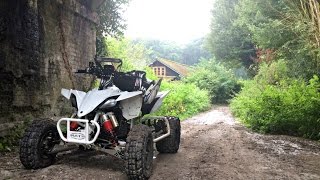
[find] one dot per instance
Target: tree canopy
(194, 51)
(111, 17)
(229, 42)
(251, 31)
(189, 54)
(111, 22)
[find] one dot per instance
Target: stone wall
(42, 44)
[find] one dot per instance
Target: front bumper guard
(82, 136)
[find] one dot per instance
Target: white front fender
(78, 94)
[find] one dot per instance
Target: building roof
(179, 68)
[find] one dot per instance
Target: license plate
(76, 136)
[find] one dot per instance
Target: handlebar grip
(82, 71)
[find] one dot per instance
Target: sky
(173, 20)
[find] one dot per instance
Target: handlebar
(110, 73)
(98, 69)
(105, 59)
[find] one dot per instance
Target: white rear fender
(131, 103)
(160, 96)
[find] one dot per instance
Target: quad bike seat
(130, 81)
(137, 81)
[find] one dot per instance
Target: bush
(14, 135)
(216, 79)
(183, 100)
(276, 103)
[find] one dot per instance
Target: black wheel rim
(46, 144)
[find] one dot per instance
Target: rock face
(42, 44)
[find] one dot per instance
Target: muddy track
(213, 146)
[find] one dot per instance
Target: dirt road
(213, 146)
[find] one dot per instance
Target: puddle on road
(215, 116)
(278, 144)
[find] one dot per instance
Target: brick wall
(42, 43)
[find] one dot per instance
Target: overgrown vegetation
(278, 42)
(184, 100)
(216, 79)
(13, 136)
(274, 103)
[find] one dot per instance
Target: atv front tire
(38, 140)
(171, 143)
(139, 152)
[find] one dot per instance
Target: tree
(288, 27)
(189, 54)
(216, 79)
(284, 95)
(134, 56)
(194, 51)
(229, 42)
(162, 49)
(111, 22)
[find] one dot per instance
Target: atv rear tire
(171, 143)
(39, 139)
(139, 152)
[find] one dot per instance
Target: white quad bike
(108, 119)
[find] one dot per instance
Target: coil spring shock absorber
(109, 122)
(73, 125)
(107, 125)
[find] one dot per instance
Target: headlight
(73, 101)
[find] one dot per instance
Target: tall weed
(183, 100)
(276, 103)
